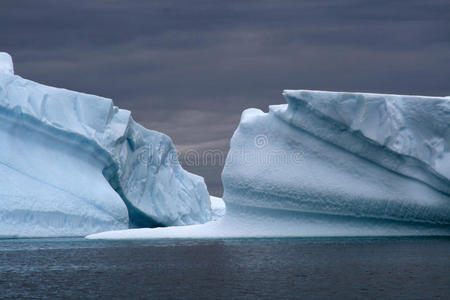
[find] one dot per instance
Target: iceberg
(332, 164)
(349, 154)
(73, 164)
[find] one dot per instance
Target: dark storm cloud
(188, 68)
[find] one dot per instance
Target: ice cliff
(73, 164)
(372, 156)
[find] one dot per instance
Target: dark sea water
(338, 268)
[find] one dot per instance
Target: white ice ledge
(248, 222)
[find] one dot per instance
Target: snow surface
(332, 164)
(72, 164)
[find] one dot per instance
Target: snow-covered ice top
(413, 131)
(6, 64)
(141, 165)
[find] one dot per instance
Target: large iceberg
(351, 154)
(333, 164)
(72, 164)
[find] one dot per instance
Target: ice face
(74, 164)
(409, 135)
(348, 154)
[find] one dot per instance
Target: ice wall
(73, 163)
(372, 156)
(409, 135)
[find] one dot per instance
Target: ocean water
(337, 268)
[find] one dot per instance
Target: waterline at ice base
(332, 164)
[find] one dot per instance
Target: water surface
(353, 268)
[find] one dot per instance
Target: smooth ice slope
(350, 154)
(74, 164)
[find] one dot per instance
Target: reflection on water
(226, 269)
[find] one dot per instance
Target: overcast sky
(189, 68)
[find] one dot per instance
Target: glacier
(332, 164)
(73, 164)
